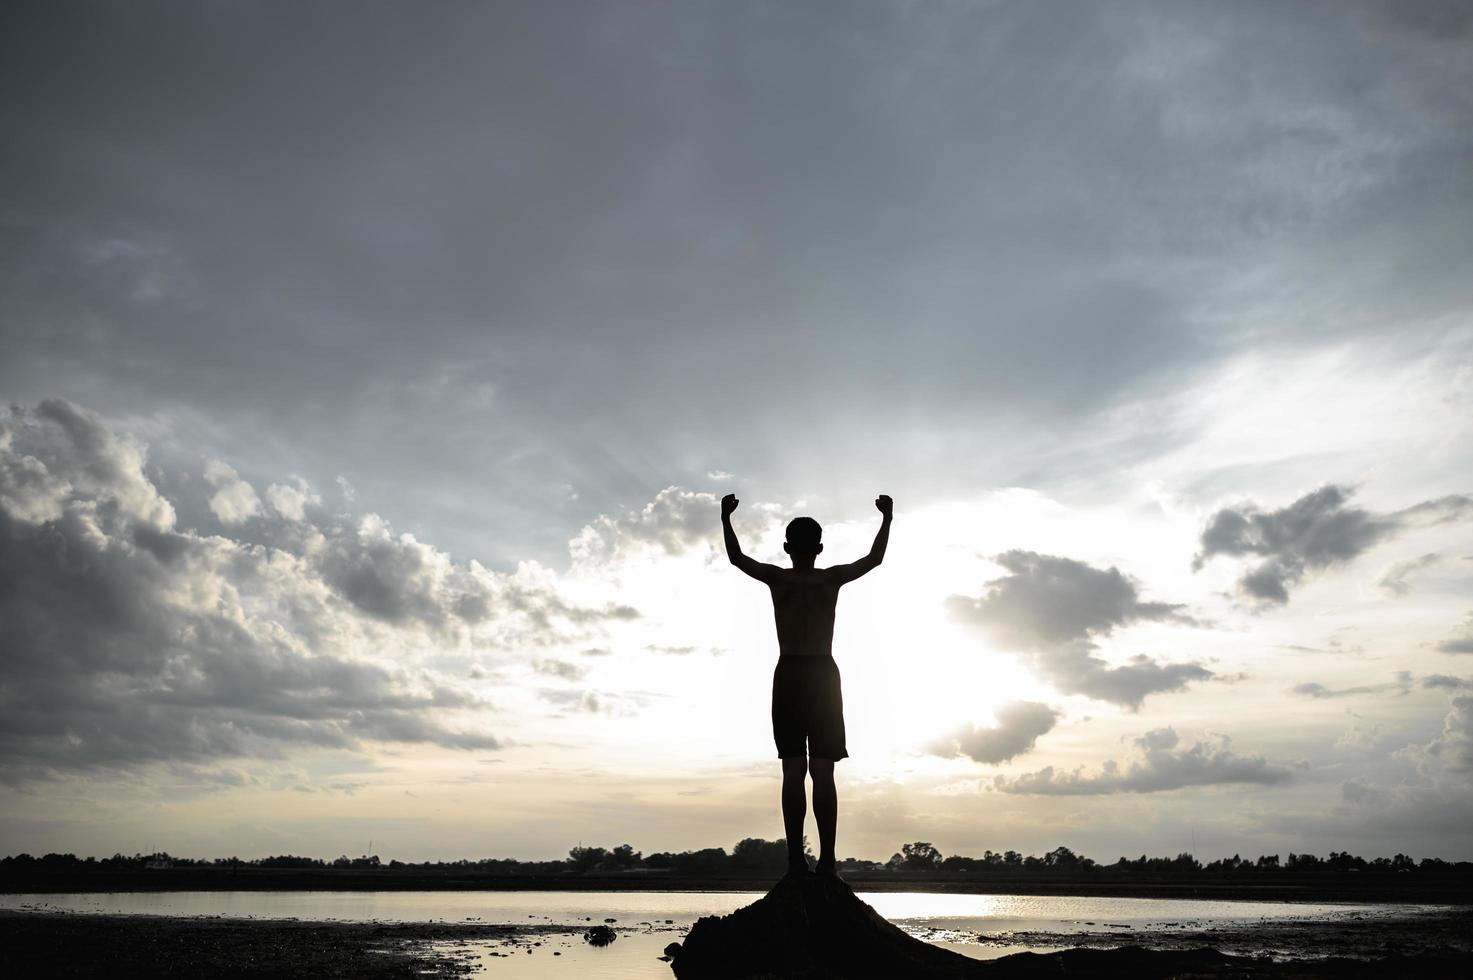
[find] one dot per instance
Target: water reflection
(995, 913)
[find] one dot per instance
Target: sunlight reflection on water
(991, 913)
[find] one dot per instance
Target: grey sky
(373, 362)
(518, 247)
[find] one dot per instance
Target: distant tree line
(923, 856)
(756, 856)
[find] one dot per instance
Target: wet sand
(1443, 932)
(47, 944)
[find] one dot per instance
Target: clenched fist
(883, 504)
(729, 504)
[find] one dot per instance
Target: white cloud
(670, 650)
(234, 499)
(1401, 685)
(131, 642)
(1396, 578)
(1160, 766)
(1460, 640)
(565, 669)
(291, 500)
(1019, 724)
(1452, 749)
(1055, 609)
(587, 702)
(62, 456)
(675, 521)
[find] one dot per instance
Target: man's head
(805, 538)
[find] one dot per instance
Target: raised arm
(852, 571)
(753, 567)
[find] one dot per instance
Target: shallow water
(973, 913)
(512, 908)
(647, 921)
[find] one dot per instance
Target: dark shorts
(808, 708)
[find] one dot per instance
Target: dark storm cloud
(1055, 610)
(1019, 726)
(129, 641)
(583, 245)
(1161, 766)
(1316, 532)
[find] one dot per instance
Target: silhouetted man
(807, 705)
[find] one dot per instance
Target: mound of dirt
(816, 928)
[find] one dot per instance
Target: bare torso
(803, 603)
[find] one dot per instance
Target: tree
(921, 856)
(758, 855)
(586, 858)
(1182, 862)
(622, 857)
(708, 860)
(1063, 859)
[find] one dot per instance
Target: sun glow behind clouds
(674, 705)
(630, 690)
(688, 682)
(910, 672)
(655, 728)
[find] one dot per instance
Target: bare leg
(825, 810)
(795, 809)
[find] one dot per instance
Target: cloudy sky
(373, 372)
